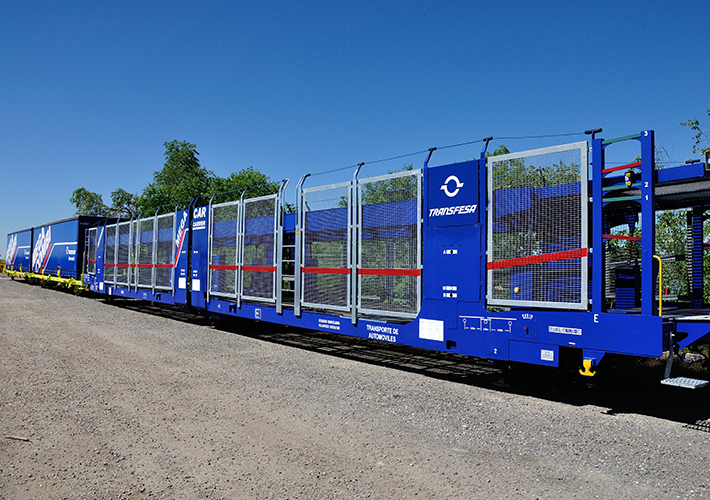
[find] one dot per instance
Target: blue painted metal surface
(54, 249)
(453, 315)
(19, 251)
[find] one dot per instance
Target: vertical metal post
(300, 217)
(279, 248)
(129, 249)
(424, 209)
(154, 251)
(353, 221)
(190, 257)
(239, 249)
(597, 249)
(483, 216)
(648, 222)
(135, 241)
(210, 236)
(420, 246)
(173, 261)
(483, 221)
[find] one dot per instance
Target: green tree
(390, 190)
(88, 203)
(500, 150)
(701, 136)
(123, 204)
(231, 188)
(182, 178)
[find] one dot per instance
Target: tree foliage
(500, 150)
(702, 137)
(87, 202)
(181, 180)
(254, 182)
(520, 172)
(90, 203)
(390, 190)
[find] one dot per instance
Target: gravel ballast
(125, 400)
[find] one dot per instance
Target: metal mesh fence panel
(110, 255)
(91, 256)
(223, 267)
(133, 256)
(123, 253)
(389, 262)
(537, 228)
(259, 257)
(326, 247)
(144, 263)
(164, 253)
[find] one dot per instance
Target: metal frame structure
(390, 272)
(540, 258)
(305, 267)
(455, 307)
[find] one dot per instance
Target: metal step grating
(700, 425)
(687, 383)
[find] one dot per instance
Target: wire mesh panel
(389, 229)
(223, 263)
(110, 255)
(258, 271)
(144, 261)
(91, 252)
(537, 228)
(123, 253)
(133, 255)
(164, 252)
(326, 256)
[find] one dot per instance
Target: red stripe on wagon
(326, 270)
(539, 259)
(390, 272)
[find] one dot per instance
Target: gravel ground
(124, 400)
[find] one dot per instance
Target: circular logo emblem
(445, 186)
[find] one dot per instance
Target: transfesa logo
(451, 187)
(456, 185)
(42, 245)
(11, 249)
(459, 210)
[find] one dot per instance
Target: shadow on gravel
(622, 385)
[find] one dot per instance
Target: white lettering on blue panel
(329, 324)
(458, 210)
(565, 330)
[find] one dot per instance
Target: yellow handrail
(660, 285)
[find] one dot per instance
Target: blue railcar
(489, 258)
(51, 252)
(19, 251)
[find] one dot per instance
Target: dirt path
(117, 402)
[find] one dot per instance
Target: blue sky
(90, 91)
